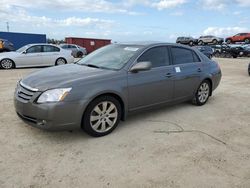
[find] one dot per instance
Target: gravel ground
(177, 146)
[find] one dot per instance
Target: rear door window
(48, 48)
(183, 56)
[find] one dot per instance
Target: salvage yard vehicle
(206, 50)
(210, 39)
(77, 51)
(35, 55)
(240, 37)
(6, 46)
(187, 40)
(112, 82)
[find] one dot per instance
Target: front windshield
(113, 56)
(23, 48)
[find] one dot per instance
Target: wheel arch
(61, 58)
(14, 64)
(112, 94)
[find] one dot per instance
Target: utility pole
(8, 27)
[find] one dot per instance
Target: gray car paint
(136, 90)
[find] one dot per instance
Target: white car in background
(34, 55)
(77, 51)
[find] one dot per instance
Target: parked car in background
(240, 37)
(210, 39)
(187, 40)
(113, 81)
(206, 50)
(33, 55)
(6, 46)
(77, 51)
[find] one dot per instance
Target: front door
(155, 86)
(31, 57)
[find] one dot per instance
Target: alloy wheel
(6, 64)
(103, 117)
(203, 92)
(60, 61)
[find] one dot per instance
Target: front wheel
(202, 94)
(7, 64)
(247, 41)
(102, 116)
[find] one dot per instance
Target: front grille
(24, 93)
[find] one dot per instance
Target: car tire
(191, 43)
(200, 42)
(228, 41)
(215, 41)
(217, 54)
(247, 41)
(79, 54)
(202, 94)
(101, 116)
(60, 61)
(7, 64)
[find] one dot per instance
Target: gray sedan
(112, 82)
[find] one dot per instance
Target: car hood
(62, 76)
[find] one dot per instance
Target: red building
(89, 43)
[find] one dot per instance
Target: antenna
(8, 27)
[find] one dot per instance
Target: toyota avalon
(113, 81)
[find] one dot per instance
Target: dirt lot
(178, 146)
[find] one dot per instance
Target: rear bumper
(51, 116)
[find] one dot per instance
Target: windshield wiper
(90, 65)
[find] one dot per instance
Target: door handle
(199, 70)
(169, 75)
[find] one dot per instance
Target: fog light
(43, 122)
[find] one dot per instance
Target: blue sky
(130, 20)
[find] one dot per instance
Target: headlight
(53, 95)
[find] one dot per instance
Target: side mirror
(141, 66)
(24, 52)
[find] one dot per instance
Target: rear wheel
(215, 41)
(228, 41)
(247, 41)
(102, 116)
(191, 43)
(202, 94)
(7, 64)
(61, 61)
(200, 42)
(79, 54)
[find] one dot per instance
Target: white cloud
(243, 3)
(72, 5)
(224, 31)
(165, 4)
(19, 15)
(214, 4)
(177, 13)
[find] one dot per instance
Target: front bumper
(50, 116)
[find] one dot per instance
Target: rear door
(155, 86)
(187, 72)
(50, 55)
